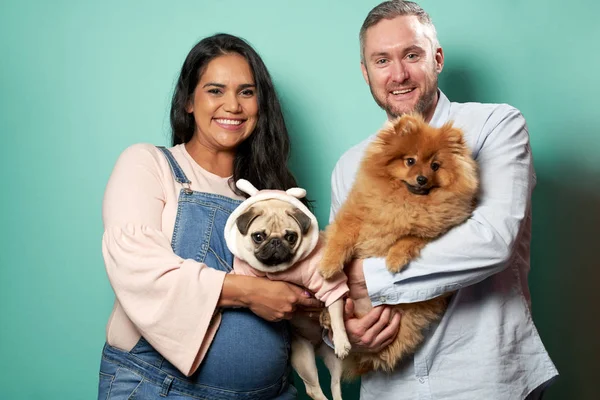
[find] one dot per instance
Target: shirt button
(421, 380)
(382, 299)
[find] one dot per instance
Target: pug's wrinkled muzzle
(274, 252)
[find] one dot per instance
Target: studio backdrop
(82, 80)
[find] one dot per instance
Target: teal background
(82, 80)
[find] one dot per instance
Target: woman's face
(224, 103)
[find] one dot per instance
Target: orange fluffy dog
(415, 182)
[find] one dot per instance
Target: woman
(164, 212)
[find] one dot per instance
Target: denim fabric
(142, 373)
(248, 358)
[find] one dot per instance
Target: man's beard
(423, 104)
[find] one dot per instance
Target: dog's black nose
(275, 242)
(421, 180)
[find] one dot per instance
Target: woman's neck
(214, 161)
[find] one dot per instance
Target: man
(486, 345)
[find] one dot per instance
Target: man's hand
(374, 331)
(377, 328)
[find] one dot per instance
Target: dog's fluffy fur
(415, 182)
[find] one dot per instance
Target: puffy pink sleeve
(328, 290)
(241, 267)
(170, 300)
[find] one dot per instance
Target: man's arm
(375, 330)
(481, 246)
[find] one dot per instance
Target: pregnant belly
(247, 353)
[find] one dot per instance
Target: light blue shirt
(486, 346)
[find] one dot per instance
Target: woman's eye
(214, 91)
(435, 166)
(291, 238)
(258, 237)
(248, 92)
(410, 162)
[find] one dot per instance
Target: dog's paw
(327, 273)
(396, 262)
(329, 267)
(342, 346)
(314, 392)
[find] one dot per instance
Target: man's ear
(439, 60)
(243, 222)
(365, 73)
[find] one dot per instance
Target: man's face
(401, 66)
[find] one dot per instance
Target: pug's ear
(302, 219)
(243, 222)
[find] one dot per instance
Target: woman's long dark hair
(262, 158)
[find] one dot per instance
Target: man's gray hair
(390, 10)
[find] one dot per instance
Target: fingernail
(306, 294)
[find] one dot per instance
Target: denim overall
(248, 358)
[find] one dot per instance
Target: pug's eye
(258, 237)
(435, 166)
(410, 162)
(291, 237)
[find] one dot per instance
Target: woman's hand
(270, 300)
(276, 300)
(312, 311)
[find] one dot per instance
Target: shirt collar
(442, 111)
(440, 115)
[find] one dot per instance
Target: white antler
(246, 186)
(296, 192)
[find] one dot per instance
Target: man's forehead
(396, 34)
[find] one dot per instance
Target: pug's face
(271, 233)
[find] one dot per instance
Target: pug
(273, 232)
(274, 235)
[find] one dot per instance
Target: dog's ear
(408, 124)
(388, 133)
(243, 222)
(302, 219)
(453, 137)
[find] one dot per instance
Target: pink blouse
(169, 300)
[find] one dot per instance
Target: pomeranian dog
(414, 183)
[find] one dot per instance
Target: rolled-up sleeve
(483, 245)
(170, 300)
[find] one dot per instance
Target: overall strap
(175, 168)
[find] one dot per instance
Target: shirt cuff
(380, 282)
(385, 287)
